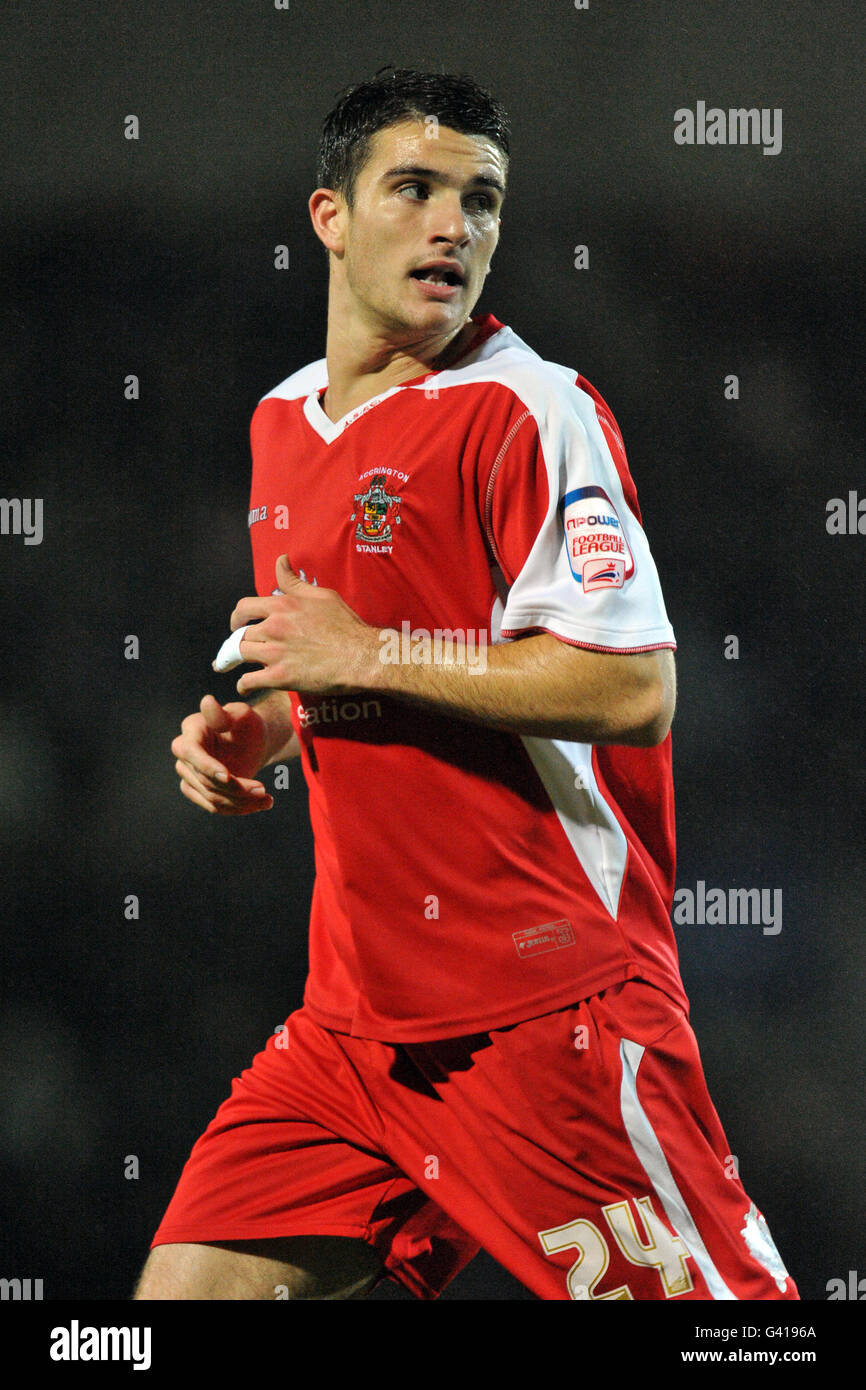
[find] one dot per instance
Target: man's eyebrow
(437, 176)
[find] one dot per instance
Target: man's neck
(362, 364)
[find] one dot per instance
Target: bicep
(635, 690)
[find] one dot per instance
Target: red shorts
(581, 1149)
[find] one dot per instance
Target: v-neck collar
(329, 430)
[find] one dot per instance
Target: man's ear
(327, 209)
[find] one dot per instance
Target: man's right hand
(218, 753)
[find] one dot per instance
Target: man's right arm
(275, 707)
(220, 750)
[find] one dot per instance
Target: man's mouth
(438, 275)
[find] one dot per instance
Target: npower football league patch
(598, 551)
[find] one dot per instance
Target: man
(468, 648)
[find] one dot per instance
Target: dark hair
(398, 94)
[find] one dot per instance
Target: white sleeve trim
(644, 640)
(589, 576)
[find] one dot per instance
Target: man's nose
(448, 218)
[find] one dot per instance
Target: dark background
(156, 257)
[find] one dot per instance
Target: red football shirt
(467, 879)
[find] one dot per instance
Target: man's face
(420, 200)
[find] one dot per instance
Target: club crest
(377, 512)
(756, 1234)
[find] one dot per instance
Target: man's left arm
(308, 639)
(544, 687)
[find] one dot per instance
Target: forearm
(275, 708)
(542, 687)
(307, 638)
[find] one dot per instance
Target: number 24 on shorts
(662, 1250)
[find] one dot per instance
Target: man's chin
(418, 322)
(446, 314)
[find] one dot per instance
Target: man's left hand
(305, 638)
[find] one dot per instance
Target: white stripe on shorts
(651, 1156)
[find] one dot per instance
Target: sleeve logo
(598, 551)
